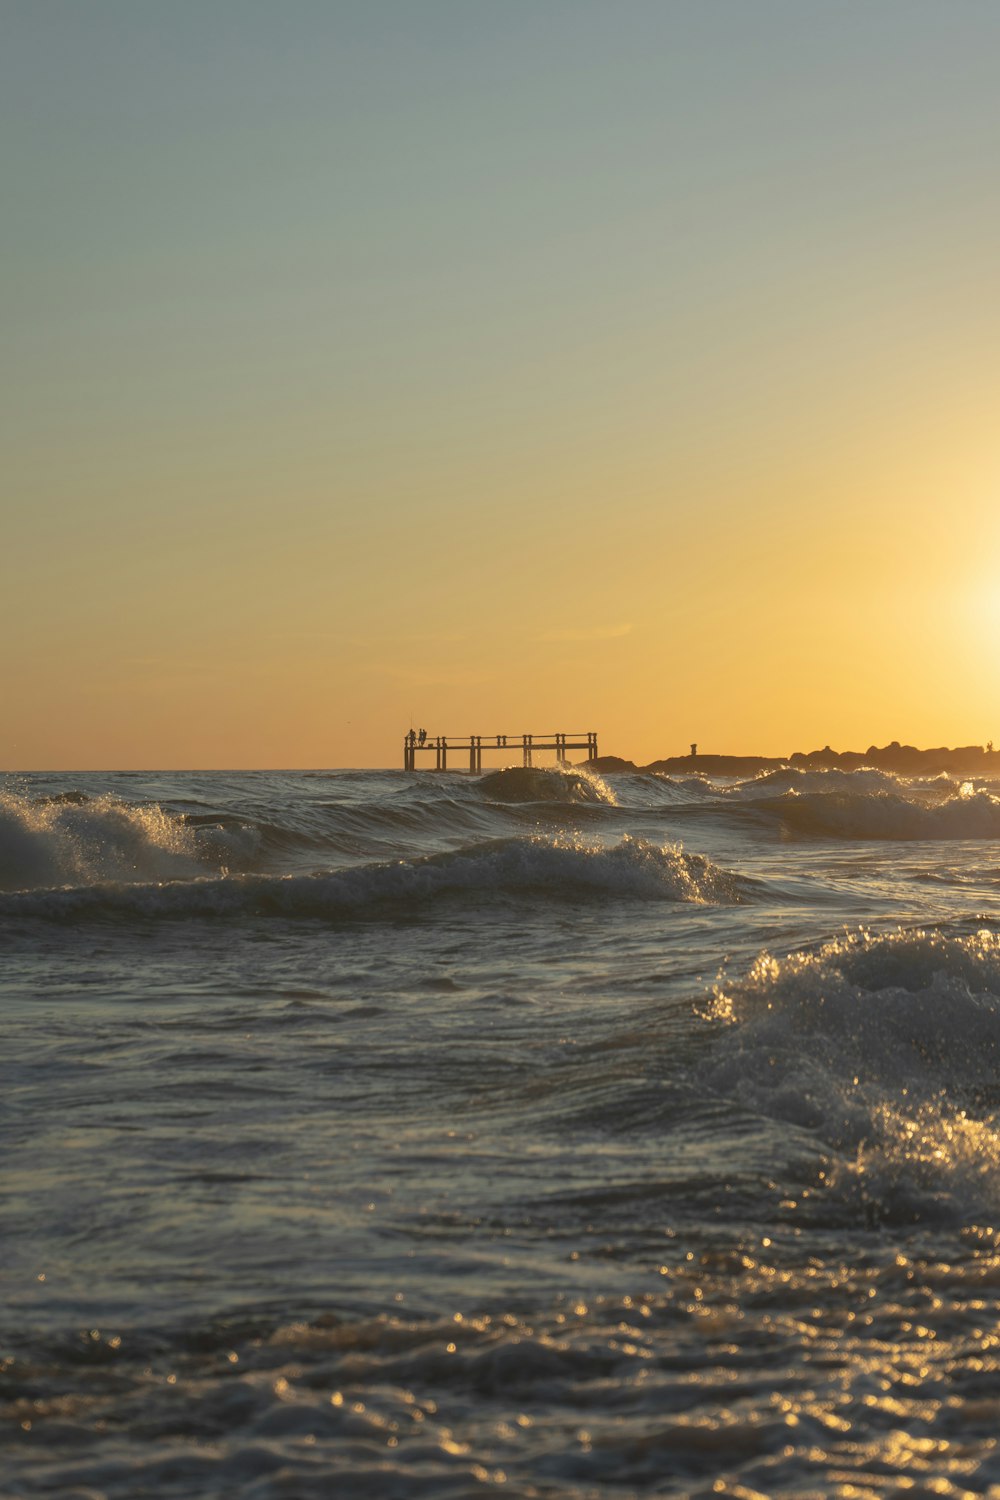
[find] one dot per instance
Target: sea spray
(79, 841)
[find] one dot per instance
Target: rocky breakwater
(902, 760)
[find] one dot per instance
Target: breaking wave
(887, 1050)
(73, 839)
(549, 869)
(77, 840)
(531, 784)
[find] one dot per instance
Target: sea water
(385, 1135)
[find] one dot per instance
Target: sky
(628, 367)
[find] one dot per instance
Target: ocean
(373, 1134)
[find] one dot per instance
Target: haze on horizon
(497, 368)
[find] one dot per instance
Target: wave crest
(537, 869)
(886, 815)
(551, 784)
(794, 778)
(79, 840)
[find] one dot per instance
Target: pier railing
(439, 745)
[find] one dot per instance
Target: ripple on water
(750, 1366)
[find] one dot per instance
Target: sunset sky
(496, 367)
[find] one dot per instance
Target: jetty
(473, 745)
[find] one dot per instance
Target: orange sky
(572, 366)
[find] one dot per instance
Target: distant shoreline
(905, 760)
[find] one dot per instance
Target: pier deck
(439, 745)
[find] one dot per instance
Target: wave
(793, 778)
(381, 828)
(531, 784)
(885, 815)
(887, 1049)
(73, 839)
(655, 789)
(535, 869)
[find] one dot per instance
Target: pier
(474, 744)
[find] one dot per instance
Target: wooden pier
(474, 744)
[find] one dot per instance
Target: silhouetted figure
(694, 751)
(423, 736)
